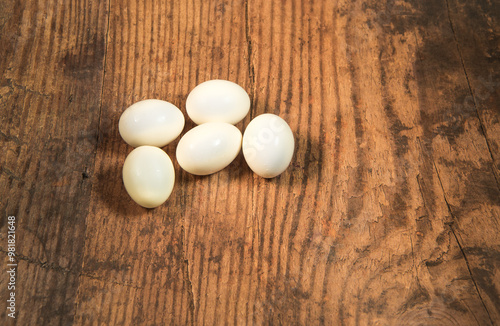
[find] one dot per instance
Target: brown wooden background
(388, 215)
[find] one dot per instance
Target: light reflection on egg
(151, 123)
(148, 176)
(208, 148)
(268, 145)
(217, 101)
(216, 105)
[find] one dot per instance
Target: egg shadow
(111, 191)
(306, 164)
(308, 159)
(237, 170)
(240, 169)
(113, 150)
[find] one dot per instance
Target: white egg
(268, 145)
(217, 101)
(148, 176)
(208, 148)
(151, 122)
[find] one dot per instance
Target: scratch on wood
(470, 273)
(460, 245)
(103, 75)
(40, 263)
(413, 260)
(187, 277)
(483, 130)
(420, 189)
(471, 311)
(57, 268)
(251, 68)
(76, 302)
(97, 278)
(9, 173)
(15, 139)
(12, 84)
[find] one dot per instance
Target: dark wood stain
(388, 213)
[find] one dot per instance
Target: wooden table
(389, 213)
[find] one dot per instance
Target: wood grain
(52, 66)
(388, 215)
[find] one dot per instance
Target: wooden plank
(477, 207)
(389, 213)
(362, 235)
(142, 261)
(479, 55)
(51, 65)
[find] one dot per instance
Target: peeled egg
(217, 101)
(151, 122)
(268, 145)
(208, 148)
(148, 176)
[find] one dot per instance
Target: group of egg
(215, 106)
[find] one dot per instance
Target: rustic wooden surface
(388, 215)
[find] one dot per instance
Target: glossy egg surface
(151, 123)
(148, 176)
(217, 101)
(208, 148)
(268, 145)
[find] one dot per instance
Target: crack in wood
(413, 260)
(186, 275)
(421, 191)
(251, 68)
(103, 78)
(12, 85)
(481, 124)
(108, 18)
(471, 311)
(97, 278)
(57, 268)
(9, 173)
(470, 272)
(15, 139)
(47, 265)
(459, 244)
